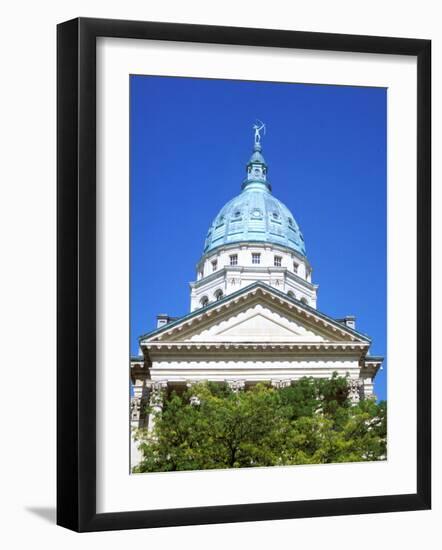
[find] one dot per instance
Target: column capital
(236, 385)
(282, 383)
(158, 385)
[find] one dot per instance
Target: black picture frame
(76, 274)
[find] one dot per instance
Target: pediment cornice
(183, 328)
(246, 347)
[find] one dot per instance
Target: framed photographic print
(243, 274)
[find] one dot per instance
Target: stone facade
(253, 315)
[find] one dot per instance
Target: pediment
(256, 315)
(257, 323)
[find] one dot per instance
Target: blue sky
(326, 151)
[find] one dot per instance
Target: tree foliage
(310, 422)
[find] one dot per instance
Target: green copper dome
(255, 215)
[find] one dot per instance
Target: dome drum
(291, 260)
(232, 267)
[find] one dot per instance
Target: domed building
(253, 311)
(253, 238)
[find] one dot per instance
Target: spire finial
(256, 167)
(259, 127)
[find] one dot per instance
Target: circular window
(256, 213)
(237, 214)
(275, 215)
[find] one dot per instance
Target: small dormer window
(237, 213)
(275, 215)
(214, 265)
(256, 258)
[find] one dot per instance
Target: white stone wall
(244, 252)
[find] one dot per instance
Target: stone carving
(135, 408)
(156, 394)
(156, 401)
(236, 385)
(354, 390)
(284, 383)
(195, 401)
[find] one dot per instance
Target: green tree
(310, 422)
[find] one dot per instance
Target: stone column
(367, 389)
(137, 404)
(138, 416)
(135, 409)
(354, 390)
(157, 389)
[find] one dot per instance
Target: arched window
(218, 294)
(304, 301)
(204, 301)
(291, 294)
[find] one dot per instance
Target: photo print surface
(257, 274)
